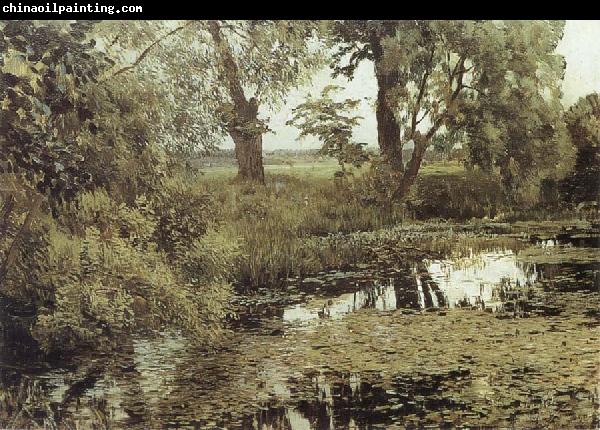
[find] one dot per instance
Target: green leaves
(44, 106)
(330, 121)
(583, 123)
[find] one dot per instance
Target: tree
(583, 123)
(436, 75)
(330, 121)
(229, 71)
(364, 40)
(44, 109)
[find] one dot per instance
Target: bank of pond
(452, 327)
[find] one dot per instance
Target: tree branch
(147, 50)
(463, 71)
(424, 115)
(459, 82)
(422, 86)
(230, 67)
(471, 88)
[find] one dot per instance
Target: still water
(481, 279)
(255, 383)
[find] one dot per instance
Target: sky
(580, 47)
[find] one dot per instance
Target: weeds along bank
(115, 260)
(303, 222)
(101, 268)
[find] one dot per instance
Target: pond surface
(489, 335)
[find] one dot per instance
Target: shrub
(102, 269)
(182, 214)
(471, 195)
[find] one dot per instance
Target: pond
(490, 335)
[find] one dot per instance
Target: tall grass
(277, 224)
(301, 222)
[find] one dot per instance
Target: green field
(326, 169)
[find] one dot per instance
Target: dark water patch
(569, 276)
(352, 401)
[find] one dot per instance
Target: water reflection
(480, 279)
(381, 297)
(345, 401)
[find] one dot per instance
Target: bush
(102, 269)
(182, 213)
(456, 196)
(104, 288)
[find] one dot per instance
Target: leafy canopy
(330, 121)
(45, 75)
(271, 57)
(497, 80)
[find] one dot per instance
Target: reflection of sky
(346, 303)
(478, 276)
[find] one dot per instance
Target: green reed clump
(276, 224)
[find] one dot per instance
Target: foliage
(444, 142)
(45, 72)
(112, 278)
(331, 123)
(124, 248)
(270, 58)
(459, 197)
(498, 81)
(583, 123)
(182, 213)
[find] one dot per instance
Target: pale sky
(580, 46)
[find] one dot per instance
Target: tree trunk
(388, 128)
(412, 168)
(248, 151)
(243, 127)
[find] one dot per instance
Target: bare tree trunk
(412, 168)
(388, 129)
(248, 151)
(243, 127)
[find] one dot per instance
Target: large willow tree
(497, 80)
(222, 74)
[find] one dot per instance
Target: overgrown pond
(497, 331)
